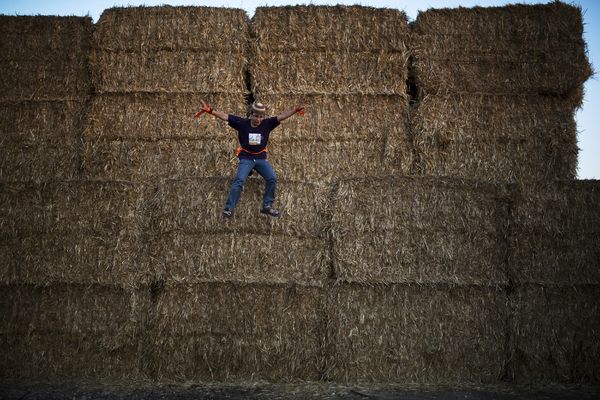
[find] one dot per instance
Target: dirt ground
(88, 391)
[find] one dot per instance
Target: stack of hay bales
(44, 85)
(420, 281)
(70, 296)
(239, 299)
(497, 91)
(349, 64)
(74, 283)
(151, 67)
(554, 264)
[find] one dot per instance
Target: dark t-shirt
(253, 141)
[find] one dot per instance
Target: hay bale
(241, 258)
(159, 116)
(168, 71)
(441, 120)
(336, 117)
(503, 50)
(326, 162)
(44, 58)
(172, 28)
(499, 159)
(310, 28)
(71, 331)
(524, 22)
(416, 333)
(139, 160)
(33, 159)
(69, 207)
(420, 230)
(329, 72)
(49, 80)
(555, 334)
(86, 259)
(38, 120)
(554, 233)
(194, 206)
(229, 333)
(34, 38)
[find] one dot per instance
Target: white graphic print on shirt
(254, 139)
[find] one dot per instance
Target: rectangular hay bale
(71, 331)
(503, 50)
(241, 258)
(416, 334)
(160, 116)
(172, 28)
(554, 233)
(233, 333)
(32, 121)
(33, 159)
(69, 207)
(194, 206)
(329, 72)
(168, 71)
(86, 259)
(142, 160)
(310, 27)
(420, 230)
(555, 333)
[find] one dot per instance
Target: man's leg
(265, 170)
(244, 168)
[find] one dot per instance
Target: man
(253, 136)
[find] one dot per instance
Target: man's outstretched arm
(209, 110)
(286, 114)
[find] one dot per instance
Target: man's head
(257, 113)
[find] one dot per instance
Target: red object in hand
(206, 109)
(300, 110)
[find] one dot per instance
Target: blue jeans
(264, 168)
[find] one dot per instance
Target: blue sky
(588, 120)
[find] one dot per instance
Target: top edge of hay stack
(169, 28)
(502, 50)
(557, 18)
(315, 28)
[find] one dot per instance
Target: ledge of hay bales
(420, 230)
(554, 233)
(70, 331)
(555, 334)
(160, 116)
(233, 333)
(172, 28)
(416, 333)
(488, 45)
(315, 28)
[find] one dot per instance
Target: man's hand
(300, 109)
(206, 108)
